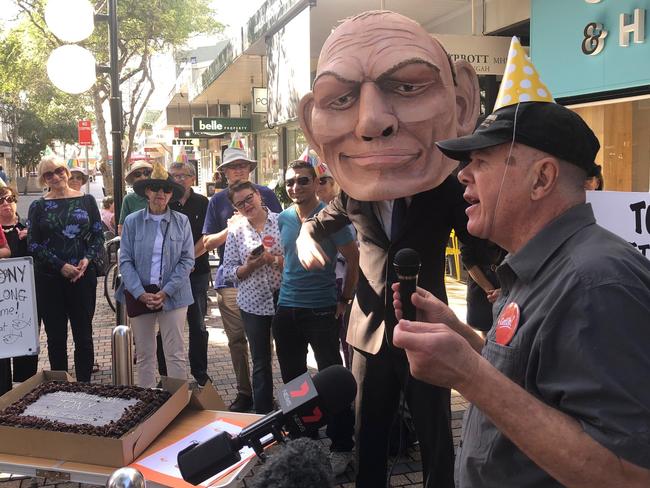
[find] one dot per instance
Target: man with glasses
(220, 215)
(308, 307)
(194, 206)
(133, 202)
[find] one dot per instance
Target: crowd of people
(561, 304)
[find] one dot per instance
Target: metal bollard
(126, 478)
(122, 355)
(121, 317)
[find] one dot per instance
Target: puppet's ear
(467, 97)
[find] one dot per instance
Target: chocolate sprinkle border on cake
(149, 401)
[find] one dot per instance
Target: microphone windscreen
(336, 388)
(407, 262)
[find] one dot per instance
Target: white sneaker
(340, 461)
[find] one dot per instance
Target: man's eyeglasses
(76, 176)
(145, 172)
(8, 199)
(156, 188)
(323, 179)
(48, 175)
(301, 180)
(246, 201)
(181, 176)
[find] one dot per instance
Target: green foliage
(35, 136)
(145, 28)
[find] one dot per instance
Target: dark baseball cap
(546, 126)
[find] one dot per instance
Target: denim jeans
(258, 332)
(293, 330)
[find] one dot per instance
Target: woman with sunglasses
(15, 233)
(64, 236)
(253, 261)
(78, 178)
(156, 258)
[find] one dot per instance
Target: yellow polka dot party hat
(521, 82)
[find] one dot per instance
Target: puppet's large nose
(376, 118)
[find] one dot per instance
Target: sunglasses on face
(301, 180)
(137, 174)
(323, 180)
(246, 201)
(8, 199)
(238, 166)
(157, 188)
(48, 175)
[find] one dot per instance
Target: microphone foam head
(336, 388)
(407, 262)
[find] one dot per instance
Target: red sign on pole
(85, 131)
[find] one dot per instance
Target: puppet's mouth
(385, 159)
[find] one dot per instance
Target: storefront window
(623, 129)
(269, 169)
(296, 142)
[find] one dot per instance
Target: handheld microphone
(306, 403)
(407, 267)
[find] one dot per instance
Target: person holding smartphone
(253, 261)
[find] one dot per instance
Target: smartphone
(258, 250)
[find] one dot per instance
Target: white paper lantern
(70, 20)
(72, 68)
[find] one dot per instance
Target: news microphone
(407, 266)
(306, 404)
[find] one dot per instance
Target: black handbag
(135, 307)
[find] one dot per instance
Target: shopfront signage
(182, 142)
(486, 54)
(207, 125)
(260, 100)
(590, 46)
(595, 32)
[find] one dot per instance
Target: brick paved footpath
(406, 472)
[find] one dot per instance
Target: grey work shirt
(582, 347)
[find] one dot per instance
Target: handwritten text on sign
(626, 214)
(18, 331)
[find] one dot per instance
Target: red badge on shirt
(268, 241)
(507, 324)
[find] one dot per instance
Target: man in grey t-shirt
(555, 389)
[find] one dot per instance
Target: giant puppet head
(384, 92)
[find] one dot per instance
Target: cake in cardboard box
(83, 408)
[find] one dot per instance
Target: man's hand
(437, 354)
(493, 295)
(158, 299)
(428, 307)
(340, 309)
(22, 234)
(309, 252)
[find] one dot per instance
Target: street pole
(87, 171)
(115, 106)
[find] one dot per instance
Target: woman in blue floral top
(64, 236)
